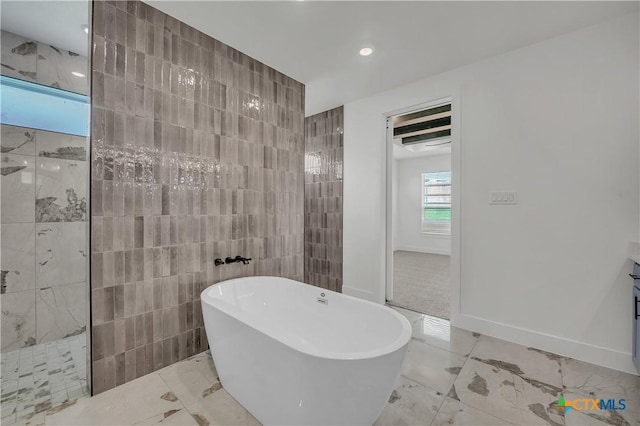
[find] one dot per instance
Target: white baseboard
(578, 350)
(361, 294)
(429, 250)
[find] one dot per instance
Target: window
(436, 202)
(32, 105)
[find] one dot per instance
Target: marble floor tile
(60, 253)
(41, 377)
(438, 332)
(453, 412)
(178, 418)
(412, 316)
(61, 190)
(219, 408)
(594, 381)
(17, 178)
(575, 418)
(410, 404)
(60, 311)
(521, 360)
(8, 420)
(507, 395)
(17, 140)
(18, 56)
(61, 145)
(431, 366)
(489, 388)
(35, 420)
(129, 403)
(193, 380)
(18, 248)
(18, 319)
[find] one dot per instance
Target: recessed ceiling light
(366, 51)
(85, 28)
(77, 74)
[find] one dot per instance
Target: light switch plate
(503, 197)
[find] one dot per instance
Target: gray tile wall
(323, 199)
(43, 180)
(197, 153)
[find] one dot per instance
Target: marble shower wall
(44, 222)
(42, 63)
(323, 160)
(197, 154)
(43, 179)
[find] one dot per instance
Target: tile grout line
(184, 407)
(467, 357)
(465, 363)
(481, 409)
(35, 235)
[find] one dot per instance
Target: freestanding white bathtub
(295, 354)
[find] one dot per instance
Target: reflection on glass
(435, 327)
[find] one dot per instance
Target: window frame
(433, 227)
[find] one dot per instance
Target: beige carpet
(421, 282)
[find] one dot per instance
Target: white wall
(394, 203)
(407, 193)
(558, 123)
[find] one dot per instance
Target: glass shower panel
(44, 178)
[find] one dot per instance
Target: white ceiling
(55, 22)
(317, 42)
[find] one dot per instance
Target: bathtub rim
(228, 309)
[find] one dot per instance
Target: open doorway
(420, 186)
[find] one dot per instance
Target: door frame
(456, 169)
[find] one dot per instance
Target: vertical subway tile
(118, 302)
(118, 267)
(96, 198)
(108, 304)
(166, 351)
(129, 332)
(186, 169)
(109, 372)
(138, 259)
(97, 371)
(107, 269)
(175, 349)
(119, 337)
(148, 264)
(96, 270)
(157, 263)
(139, 330)
(148, 358)
(139, 298)
(138, 232)
(107, 239)
(97, 306)
(120, 368)
(129, 365)
(323, 192)
(108, 339)
(97, 342)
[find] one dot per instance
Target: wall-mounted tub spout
(244, 260)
